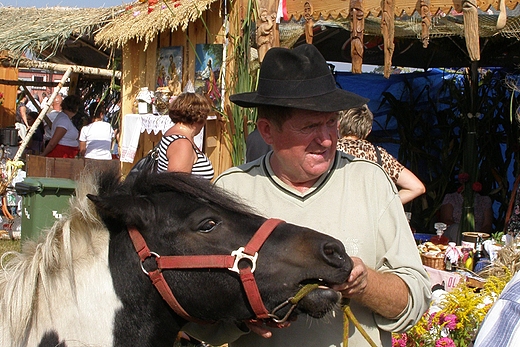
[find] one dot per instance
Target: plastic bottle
(440, 239)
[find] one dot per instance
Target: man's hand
(259, 327)
(357, 281)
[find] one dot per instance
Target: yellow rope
(303, 291)
(349, 316)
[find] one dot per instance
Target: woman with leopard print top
(354, 126)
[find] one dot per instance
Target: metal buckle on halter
(239, 255)
(152, 254)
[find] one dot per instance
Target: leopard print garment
(365, 150)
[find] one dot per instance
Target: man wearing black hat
(305, 181)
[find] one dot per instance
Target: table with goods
(466, 280)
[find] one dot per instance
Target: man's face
(305, 146)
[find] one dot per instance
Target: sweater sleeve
(400, 257)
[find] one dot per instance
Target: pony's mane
(185, 184)
(28, 274)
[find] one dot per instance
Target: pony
(87, 282)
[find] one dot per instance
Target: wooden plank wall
(139, 69)
(8, 108)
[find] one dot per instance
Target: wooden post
(469, 12)
(387, 28)
(357, 16)
(426, 22)
(309, 22)
(8, 107)
(266, 26)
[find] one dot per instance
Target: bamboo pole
(42, 114)
(63, 67)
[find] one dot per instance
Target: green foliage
(444, 137)
(243, 120)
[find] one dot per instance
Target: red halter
(250, 252)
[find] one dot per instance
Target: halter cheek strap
(249, 252)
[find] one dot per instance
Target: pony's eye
(208, 226)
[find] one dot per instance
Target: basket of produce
(432, 255)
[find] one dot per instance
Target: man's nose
(325, 135)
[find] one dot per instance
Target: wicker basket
(433, 262)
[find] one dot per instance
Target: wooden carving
(264, 32)
(309, 22)
(387, 28)
(426, 22)
(469, 12)
(356, 34)
(502, 16)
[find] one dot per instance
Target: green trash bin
(44, 200)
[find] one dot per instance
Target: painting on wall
(208, 62)
(169, 68)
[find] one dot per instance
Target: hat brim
(338, 100)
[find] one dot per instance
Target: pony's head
(179, 215)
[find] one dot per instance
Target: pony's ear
(129, 210)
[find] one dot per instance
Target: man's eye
(308, 128)
(332, 123)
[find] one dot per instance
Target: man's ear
(265, 128)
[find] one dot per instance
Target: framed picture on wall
(169, 68)
(208, 62)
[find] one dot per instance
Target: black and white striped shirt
(202, 167)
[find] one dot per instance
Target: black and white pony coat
(82, 284)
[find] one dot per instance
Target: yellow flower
(464, 305)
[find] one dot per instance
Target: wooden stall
(419, 20)
(147, 34)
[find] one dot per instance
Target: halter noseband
(250, 252)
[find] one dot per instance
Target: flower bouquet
(454, 317)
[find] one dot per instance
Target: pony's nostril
(334, 253)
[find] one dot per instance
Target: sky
(65, 3)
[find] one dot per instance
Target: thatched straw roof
(47, 29)
(143, 22)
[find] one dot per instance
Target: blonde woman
(354, 127)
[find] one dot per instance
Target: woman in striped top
(177, 150)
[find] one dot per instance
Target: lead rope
(349, 316)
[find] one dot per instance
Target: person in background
(21, 115)
(51, 115)
(304, 180)
(35, 145)
(500, 327)
(255, 146)
(64, 139)
(95, 139)
(354, 127)
(451, 213)
(45, 98)
(177, 149)
(31, 106)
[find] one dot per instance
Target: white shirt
(71, 136)
(48, 131)
(98, 136)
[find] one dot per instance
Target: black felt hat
(298, 78)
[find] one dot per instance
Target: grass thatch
(143, 22)
(25, 29)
